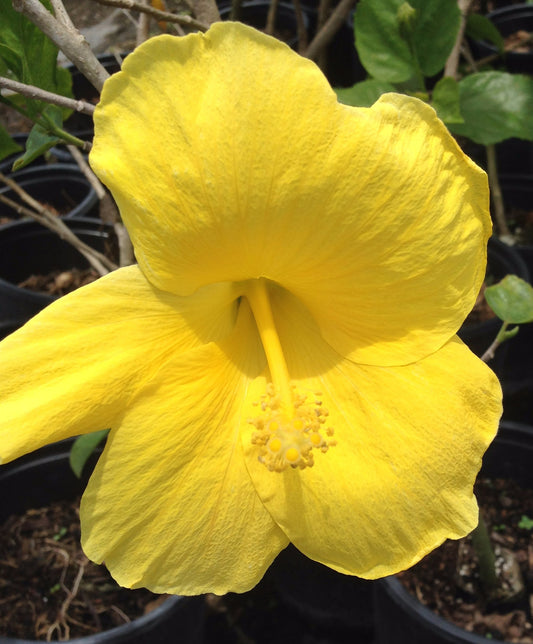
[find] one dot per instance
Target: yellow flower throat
(288, 426)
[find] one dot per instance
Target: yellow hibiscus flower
(282, 364)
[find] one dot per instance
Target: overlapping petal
(170, 505)
(80, 364)
(409, 444)
(239, 163)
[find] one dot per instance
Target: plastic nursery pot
(517, 372)
(81, 125)
(502, 260)
(333, 602)
(343, 67)
(27, 248)
(255, 14)
(54, 155)
(45, 476)
(400, 617)
(509, 20)
(61, 186)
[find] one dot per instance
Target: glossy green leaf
(445, 100)
(7, 145)
(82, 449)
(36, 52)
(385, 52)
(479, 27)
(365, 93)
(511, 300)
(40, 140)
(495, 106)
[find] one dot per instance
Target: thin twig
(496, 193)
(271, 17)
(143, 26)
(235, 13)
(46, 217)
(126, 254)
(48, 97)
(69, 40)
(134, 5)
(61, 14)
(300, 25)
(450, 69)
(88, 173)
(330, 28)
(489, 353)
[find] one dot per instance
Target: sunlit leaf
(82, 449)
(365, 93)
(511, 300)
(445, 100)
(495, 106)
(386, 54)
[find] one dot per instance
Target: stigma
(288, 436)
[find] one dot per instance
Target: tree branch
(330, 28)
(68, 39)
(206, 11)
(49, 97)
(450, 69)
(134, 5)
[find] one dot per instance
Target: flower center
(289, 424)
(287, 438)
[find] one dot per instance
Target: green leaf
(479, 27)
(387, 56)
(365, 93)
(82, 449)
(29, 56)
(495, 106)
(40, 140)
(511, 300)
(36, 53)
(525, 523)
(445, 100)
(7, 145)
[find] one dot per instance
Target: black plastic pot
(509, 20)
(81, 125)
(517, 372)
(343, 67)
(255, 13)
(502, 260)
(27, 248)
(45, 476)
(333, 602)
(400, 617)
(61, 186)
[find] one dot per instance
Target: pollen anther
(286, 437)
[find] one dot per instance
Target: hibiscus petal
(170, 505)
(409, 445)
(78, 365)
(239, 163)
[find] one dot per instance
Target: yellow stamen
(288, 426)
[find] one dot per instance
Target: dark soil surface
(520, 222)
(49, 591)
(60, 282)
(447, 580)
(519, 42)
